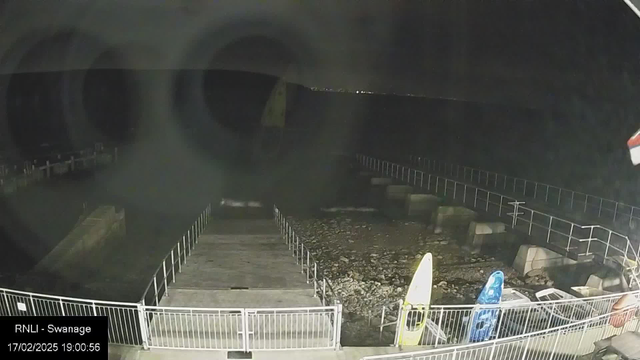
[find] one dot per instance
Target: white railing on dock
(627, 216)
(124, 318)
(244, 329)
(565, 342)
(12, 179)
(559, 234)
(449, 324)
(308, 264)
(172, 263)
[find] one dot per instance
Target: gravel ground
(370, 261)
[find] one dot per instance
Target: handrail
(192, 235)
(633, 214)
(579, 325)
(57, 297)
(399, 171)
(293, 241)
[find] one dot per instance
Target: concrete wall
(89, 235)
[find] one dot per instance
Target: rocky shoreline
(370, 261)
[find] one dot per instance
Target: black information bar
(72, 337)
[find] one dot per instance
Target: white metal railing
(622, 216)
(565, 342)
(450, 324)
(32, 172)
(124, 324)
(172, 263)
(244, 329)
(557, 233)
(308, 264)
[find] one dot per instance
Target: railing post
(559, 195)
(446, 181)
(308, 266)
(549, 231)
(606, 251)
(173, 271)
(524, 188)
(439, 325)
(315, 279)
(62, 308)
(337, 325)
(6, 302)
(164, 276)
(184, 248)
(526, 348)
(586, 200)
(631, 216)
(302, 258)
(615, 212)
(179, 259)
(588, 242)
(324, 291)
(584, 330)
(555, 345)
(600, 208)
(399, 324)
(546, 196)
(464, 195)
(475, 199)
(155, 289)
(144, 331)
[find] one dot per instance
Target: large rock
(532, 257)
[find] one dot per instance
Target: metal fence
(12, 178)
(242, 329)
(448, 325)
(623, 217)
(558, 234)
(308, 264)
(124, 318)
(565, 342)
(172, 263)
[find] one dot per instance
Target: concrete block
(587, 291)
(487, 234)
(607, 280)
(452, 216)
(381, 181)
(532, 257)
(395, 198)
(377, 191)
(398, 192)
(421, 205)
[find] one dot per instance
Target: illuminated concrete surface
(241, 264)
